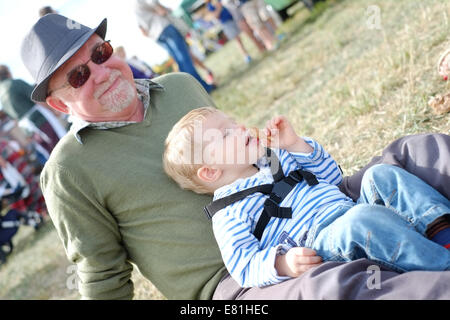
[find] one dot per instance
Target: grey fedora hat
(50, 43)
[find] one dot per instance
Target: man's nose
(100, 72)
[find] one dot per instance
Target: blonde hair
(178, 158)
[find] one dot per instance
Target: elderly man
(104, 183)
(105, 188)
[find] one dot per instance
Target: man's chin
(119, 100)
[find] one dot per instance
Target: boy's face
(227, 144)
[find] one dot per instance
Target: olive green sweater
(112, 204)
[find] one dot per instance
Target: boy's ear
(57, 104)
(208, 174)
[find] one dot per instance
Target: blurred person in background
(250, 9)
(46, 10)
(229, 26)
(235, 10)
(153, 20)
(35, 119)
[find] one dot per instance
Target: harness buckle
(280, 189)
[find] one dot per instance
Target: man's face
(108, 95)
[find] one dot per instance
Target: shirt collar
(143, 87)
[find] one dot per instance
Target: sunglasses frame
(85, 66)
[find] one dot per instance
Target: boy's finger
(302, 251)
(309, 260)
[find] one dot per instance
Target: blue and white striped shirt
(251, 262)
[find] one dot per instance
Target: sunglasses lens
(78, 76)
(102, 53)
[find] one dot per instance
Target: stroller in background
(13, 188)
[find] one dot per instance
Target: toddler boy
(208, 152)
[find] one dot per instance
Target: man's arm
(90, 236)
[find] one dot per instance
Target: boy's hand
(280, 134)
(296, 261)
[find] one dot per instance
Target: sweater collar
(143, 87)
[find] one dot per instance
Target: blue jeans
(172, 40)
(387, 225)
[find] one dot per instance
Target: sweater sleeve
(90, 236)
(319, 162)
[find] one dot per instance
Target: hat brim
(40, 91)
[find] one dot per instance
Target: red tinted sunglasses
(80, 74)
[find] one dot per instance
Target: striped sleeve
(245, 261)
(319, 162)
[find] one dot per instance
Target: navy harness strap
(277, 191)
(219, 204)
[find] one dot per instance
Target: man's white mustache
(105, 85)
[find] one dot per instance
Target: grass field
(350, 78)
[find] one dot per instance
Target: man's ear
(208, 174)
(57, 104)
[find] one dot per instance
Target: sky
(18, 16)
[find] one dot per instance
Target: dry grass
(352, 88)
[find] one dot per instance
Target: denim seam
(373, 194)
(332, 243)
(396, 252)
(411, 221)
(392, 196)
